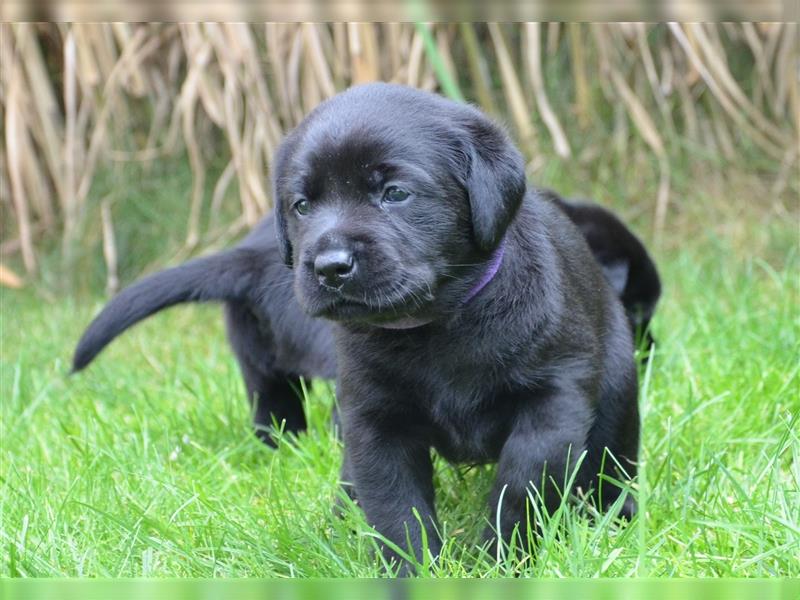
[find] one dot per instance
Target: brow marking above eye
(376, 177)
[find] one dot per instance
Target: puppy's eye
(395, 194)
(302, 206)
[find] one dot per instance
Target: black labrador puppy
(458, 309)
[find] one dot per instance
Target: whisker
(463, 264)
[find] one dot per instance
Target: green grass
(145, 465)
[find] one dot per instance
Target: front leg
(393, 474)
(547, 437)
(347, 485)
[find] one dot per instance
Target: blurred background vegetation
(127, 145)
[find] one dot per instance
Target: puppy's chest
(463, 397)
(468, 419)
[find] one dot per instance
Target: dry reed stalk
(363, 52)
(721, 133)
(220, 188)
(36, 182)
(553, 37)
(714, 59)
(764, 87)
(206, 41)
(138, 47)
(14, 245)
(109, 249)
(787, 170)
(534, 61)
(232, 107)
(293, 79)
(785, 70)
(14, 132)
(649, 133)
(122, 34)
(261, 131)
(48, 122)
(393, 36)
(8, 278)
(652, 76)
(667, 72)
(341, 58)
(513, 90)
(687, 106)
(264, 108)
(329, 53)
(275, 36)
(429, 81)
(443, 42)
(199, 54)
(582, 103)
(309, 88)
(793, 84)
(32, 167)
(415, 60)
(318, 60)
(161, 113)
(69, 200)
(478, 69)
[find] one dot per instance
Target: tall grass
(78, 97)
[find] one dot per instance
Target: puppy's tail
(224, 276)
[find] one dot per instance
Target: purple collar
(494, 266)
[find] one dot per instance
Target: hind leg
(346, 471)
(613, 448)
(276, 401)
(274, 395)
(618, 463)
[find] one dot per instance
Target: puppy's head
(389, 199)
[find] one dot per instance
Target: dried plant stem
(14, 131)
(478, 68)
(537, 80)
(8, 278)
(109, 249)
(579, 74)
(513, 89)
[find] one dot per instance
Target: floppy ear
(284, 245)
(280, 167)
(495, 181)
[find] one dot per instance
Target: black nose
(333, 267)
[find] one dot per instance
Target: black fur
(534, 370)
(624, 260)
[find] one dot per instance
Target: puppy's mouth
(374, 307)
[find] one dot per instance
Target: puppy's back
(625, 261)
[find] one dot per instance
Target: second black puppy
(470, 314)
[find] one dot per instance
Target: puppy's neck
(492, 267)
(491, 270)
